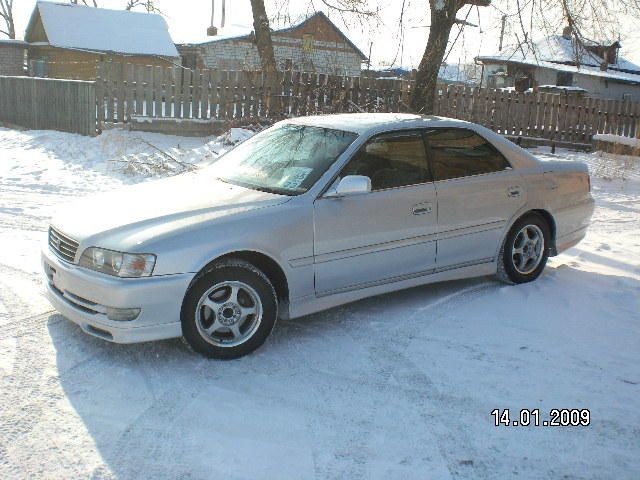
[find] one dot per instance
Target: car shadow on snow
(303, 405)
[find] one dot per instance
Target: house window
(564, 79)
(307, 43)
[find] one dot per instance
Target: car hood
(131, 215)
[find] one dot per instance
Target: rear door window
(458, 152)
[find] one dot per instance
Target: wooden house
(315, 45)
(68, 41)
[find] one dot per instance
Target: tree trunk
(263, 36)
(424, 93)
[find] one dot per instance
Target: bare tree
(588, 23)
(263, 36)
(348, 10)
(85, 2)
(6, 15)
(443, 18)
(150, 6)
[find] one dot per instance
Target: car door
(478, 192)
(383, 235)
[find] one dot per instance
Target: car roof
(368, 123)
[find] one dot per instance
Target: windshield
(287, 160)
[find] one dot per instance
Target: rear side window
(457, 152)
(391, 160)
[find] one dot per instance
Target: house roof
(229, 32)
(10, 41)
(80, 27)
(238, 32)
(559, 53)
(333, 25)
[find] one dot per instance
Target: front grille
(63, 246)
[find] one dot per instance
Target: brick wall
(327, 57)
(11, 59)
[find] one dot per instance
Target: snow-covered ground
(399, 386)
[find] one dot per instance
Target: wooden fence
(566, 118)
(40, 103)
(127, 90)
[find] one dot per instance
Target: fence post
(100, 95)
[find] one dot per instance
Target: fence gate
(48, 104)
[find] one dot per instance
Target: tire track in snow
(21, 317)
(162, 412)
(455, 448)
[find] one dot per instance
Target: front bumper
(82, 296)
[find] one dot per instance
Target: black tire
(507, 270)
(229, 271)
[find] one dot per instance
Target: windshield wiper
(273, 190)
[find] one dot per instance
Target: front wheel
(525, 250)
(229, 311)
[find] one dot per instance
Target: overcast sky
(388, 42)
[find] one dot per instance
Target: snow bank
(607, 137)
(236, 135)
(117, 153)
(602, 165)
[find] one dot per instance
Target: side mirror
(351, 185)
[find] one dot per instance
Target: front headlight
(119, 264)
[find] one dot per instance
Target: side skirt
(312, 303)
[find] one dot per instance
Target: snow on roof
(562, 87)
(456, 73)
(555, 48)
(227, 33)
(10, 41)
(559, 53)
(100, 29)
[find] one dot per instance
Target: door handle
(513, 192)
(422, 209)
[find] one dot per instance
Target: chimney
(605, 63)
(223, 14)
(211, 30)
(566, 33)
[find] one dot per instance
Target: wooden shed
(68, 41)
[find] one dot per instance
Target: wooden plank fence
(41, 103)
(173, 92)
(565, 118)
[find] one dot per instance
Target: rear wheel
(525, 250)
(229, 311)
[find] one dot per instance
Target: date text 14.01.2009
(557, 417)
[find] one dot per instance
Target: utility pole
(504, 22)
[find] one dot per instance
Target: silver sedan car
(311, 213)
